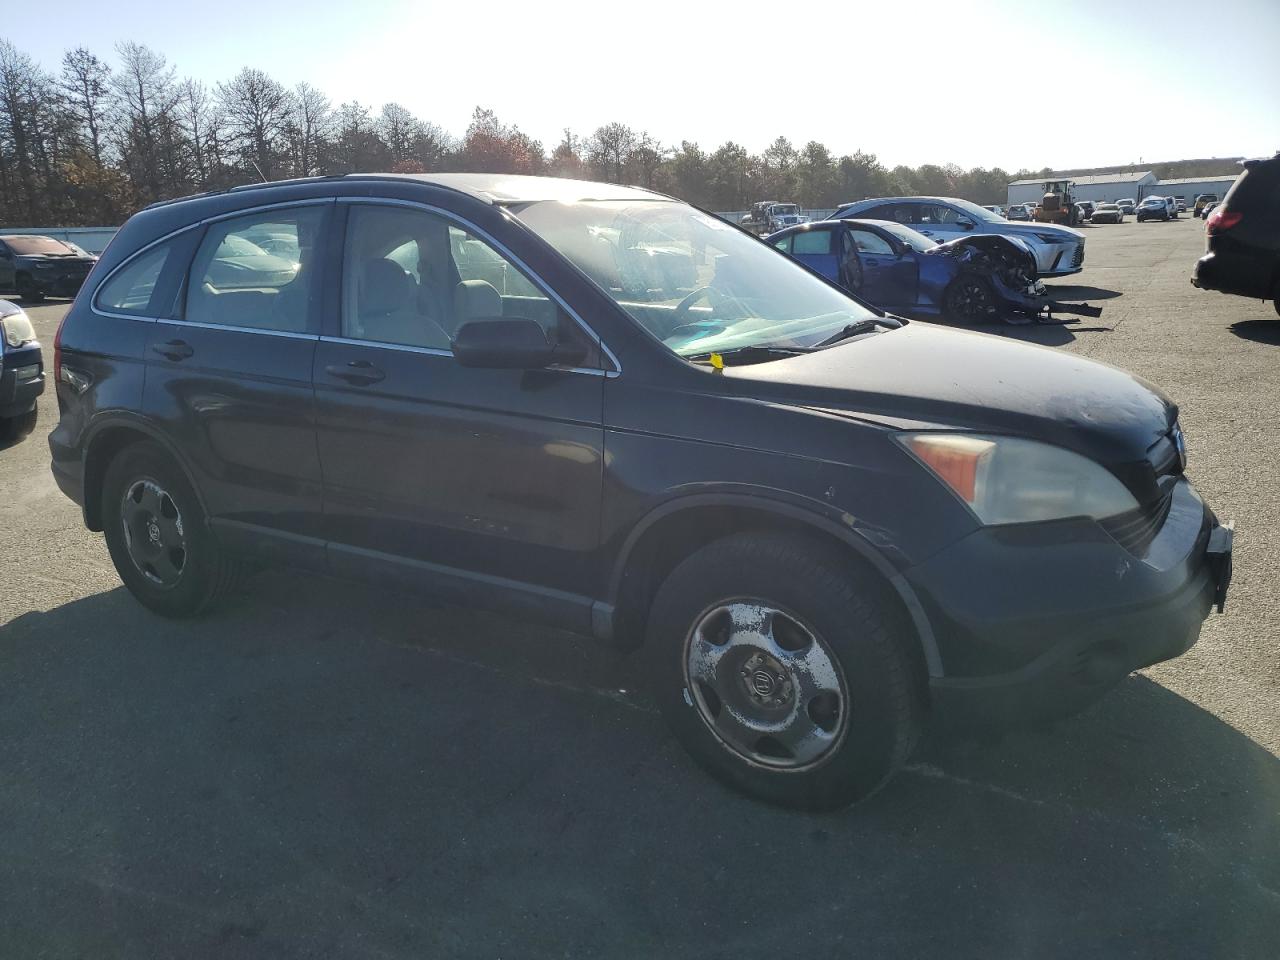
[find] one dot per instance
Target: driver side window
(413, 278)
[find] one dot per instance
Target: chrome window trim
(201, 325)
(437, 352)
(502, 248)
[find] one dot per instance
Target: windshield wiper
(750, 353)
(849, 330)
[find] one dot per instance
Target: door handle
(173, 349)
(360, 372)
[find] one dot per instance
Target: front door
(888, 278)
(448, 475)
(230, 377)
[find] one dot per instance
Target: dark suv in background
(1242, 236)
(601, 408)
(36, 266)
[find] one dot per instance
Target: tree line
(96, 139)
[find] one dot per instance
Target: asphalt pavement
(324, 769)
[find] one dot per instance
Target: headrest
(385, 287)
(476, 300)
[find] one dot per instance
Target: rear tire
(158, 538)
(781, 674)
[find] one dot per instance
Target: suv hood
(923, 375)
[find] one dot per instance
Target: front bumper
(1234, 272)
(1039, 622)
(1060, 259)
(56, 283)
(19, 387)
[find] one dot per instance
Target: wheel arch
(676, 528)
(104, 441)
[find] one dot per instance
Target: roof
(1229, 178)
(504, 188)
(495, 188)
(1092, 178)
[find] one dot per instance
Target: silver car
(1058, 250)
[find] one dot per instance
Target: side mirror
(506, 344)
(964, 224)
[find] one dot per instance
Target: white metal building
(1190, 187)
(1102, 187)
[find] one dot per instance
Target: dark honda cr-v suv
(602, 408)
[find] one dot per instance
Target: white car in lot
(1058, 250)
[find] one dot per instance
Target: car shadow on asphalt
(1067, 293)
(1259, 331)
(329, 760)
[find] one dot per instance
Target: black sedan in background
(38, 267)
(1242, 236)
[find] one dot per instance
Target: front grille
(1077, 258)
(1136, 529)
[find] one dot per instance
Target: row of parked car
(595, 406)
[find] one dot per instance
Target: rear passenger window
(255, 271)
(132, 288)
(811, 242)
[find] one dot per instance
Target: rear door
(818, 249)
(230, 377)
(456, 478)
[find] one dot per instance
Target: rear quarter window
(134, 287)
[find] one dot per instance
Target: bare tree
(399, 130)
(20, 83)
(309, 129)
(86, 87)
(257, 110)
(196, 118)
(147, 98)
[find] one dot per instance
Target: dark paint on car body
(560, 493)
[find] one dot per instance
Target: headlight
(1050, 238)
(17, 329)
(1010, 480)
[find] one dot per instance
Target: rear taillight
(57, 349)
(1221, 219)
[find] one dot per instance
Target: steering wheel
(680, 314)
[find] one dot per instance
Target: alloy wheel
(153, 532)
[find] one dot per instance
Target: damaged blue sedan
(982, 278)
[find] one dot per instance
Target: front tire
(157, 536)
(28, 292)
(783, 675)
(970, 300)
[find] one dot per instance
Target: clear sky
(1007, 83)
